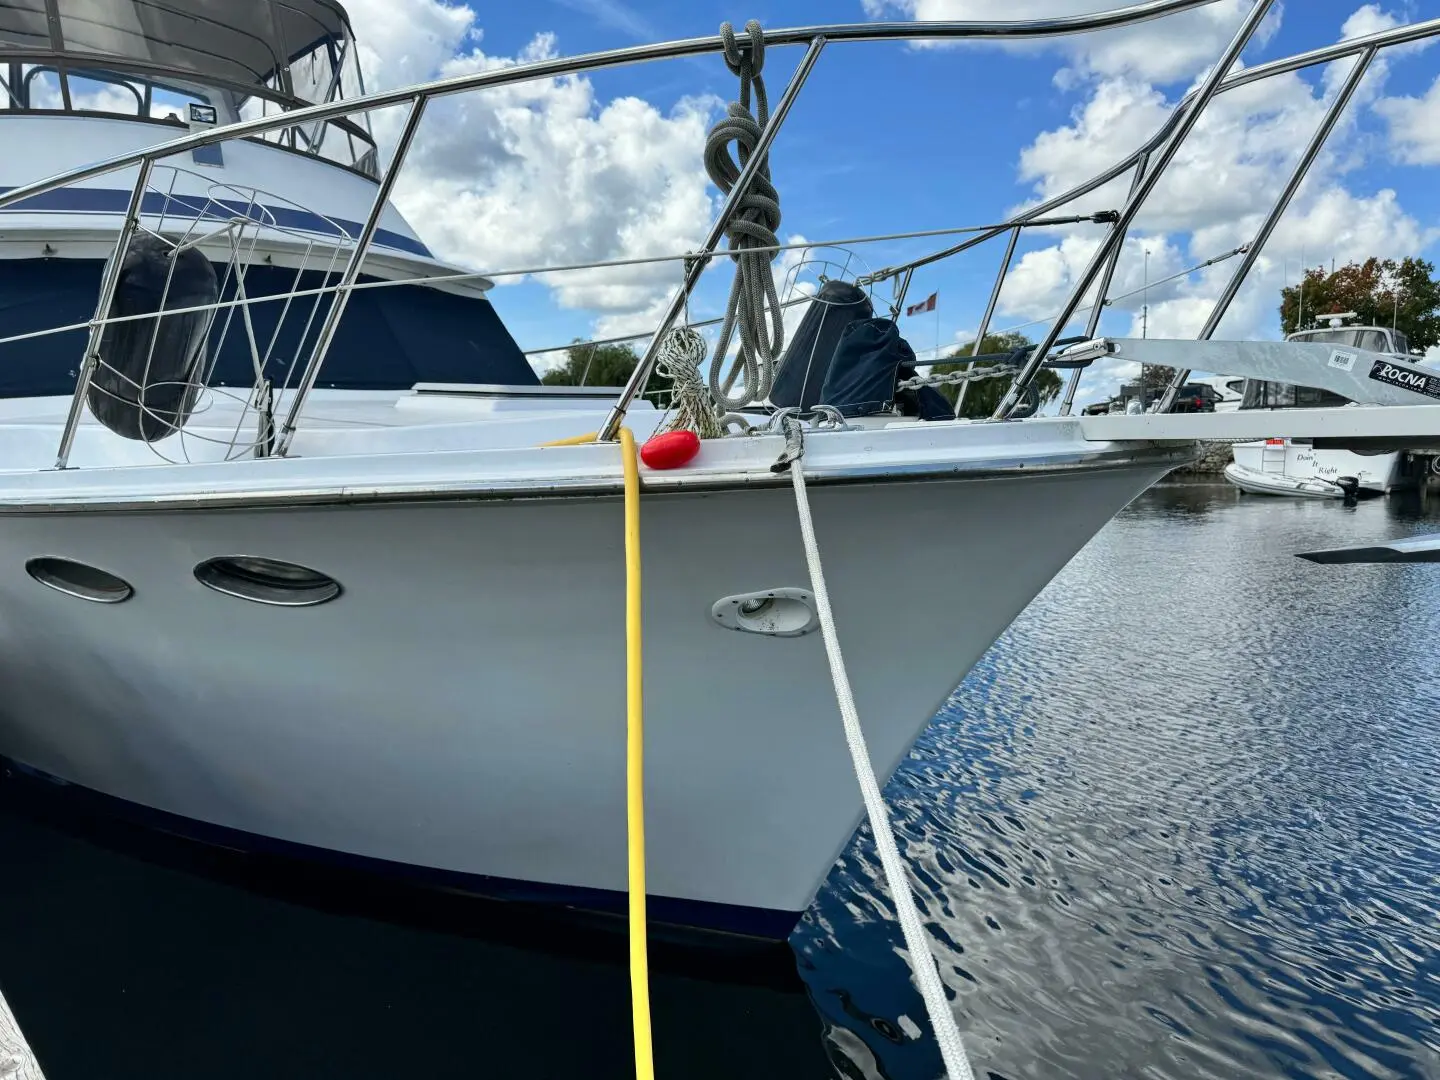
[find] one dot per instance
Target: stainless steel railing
(1148, 161)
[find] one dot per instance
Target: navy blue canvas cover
(389, 339)
(805, 363)
(930, 404)
(867, 365)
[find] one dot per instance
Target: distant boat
(1294, 466)
(1268, 480)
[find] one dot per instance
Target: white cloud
(1414, 126)
(1414, 122)
(1162, 50)
(1370, 19)
(539, 173)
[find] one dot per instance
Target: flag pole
(937, 327)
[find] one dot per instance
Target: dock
(17, 1060)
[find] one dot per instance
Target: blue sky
(889, 138)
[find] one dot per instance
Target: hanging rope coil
(754, 225)
(693, 409)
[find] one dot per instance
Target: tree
(603, 365)
(984, 396)
(1382, 293)
(1155, 379)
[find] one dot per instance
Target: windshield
(1356, 338)
(140, 58)
(329, 72)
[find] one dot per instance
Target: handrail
(1189, 117)
(1277, 210)
(1162, 144)
(574, 65)
(1382, 39)
(1400, 35)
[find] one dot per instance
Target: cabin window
(37, 87)
(105, 93)
(146, 59)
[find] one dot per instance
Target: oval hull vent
(79, 579)
(267, 581)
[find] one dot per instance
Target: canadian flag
(928, 304)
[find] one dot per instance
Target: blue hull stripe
(114, 201)
(764, 924)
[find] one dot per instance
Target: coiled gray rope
(753, 226)
(681, 353)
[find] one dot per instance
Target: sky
(889, 138)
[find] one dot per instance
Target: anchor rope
(917, 943)
(753, 226)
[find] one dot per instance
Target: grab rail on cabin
(1149, 161)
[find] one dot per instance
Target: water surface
(1183, 821)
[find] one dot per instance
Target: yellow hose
(634, 753)
(635, 764)
(575, 440)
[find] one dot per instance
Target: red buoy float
(670, 450)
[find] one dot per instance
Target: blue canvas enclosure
(388, 339)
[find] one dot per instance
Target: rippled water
(1183, 821)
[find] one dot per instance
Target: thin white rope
(922, 960)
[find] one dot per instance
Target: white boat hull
(460, 708)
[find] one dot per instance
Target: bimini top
(286, 51)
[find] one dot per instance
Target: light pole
(1145, 308)
(1145, 329)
